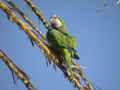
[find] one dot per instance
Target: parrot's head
(56, 22)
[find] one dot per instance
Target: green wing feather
(57, 41)
(56, 38)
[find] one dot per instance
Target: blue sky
(98, 41)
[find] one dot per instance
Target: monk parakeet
(63, 44)
(58, 24)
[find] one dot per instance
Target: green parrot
(70, 43)
(61, 42)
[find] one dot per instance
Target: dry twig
(20, 74)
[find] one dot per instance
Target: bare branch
(38, 13)
(20, 74)
(26, 19)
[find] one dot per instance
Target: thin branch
(26, 19)
(20, 74)
(38, 13)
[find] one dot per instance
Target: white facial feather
(58, 23)
(55, 21)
